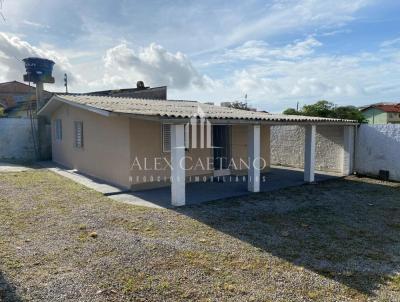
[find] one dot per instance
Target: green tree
(321, 108)
(291, 111)
(349, 113)
(330, 110)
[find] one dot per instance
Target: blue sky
(277, 52)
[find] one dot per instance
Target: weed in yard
(395, 282)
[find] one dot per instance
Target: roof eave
(56, 100)
(232, 121)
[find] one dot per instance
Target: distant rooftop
(141, 91)
(376, 104)
(386, 107)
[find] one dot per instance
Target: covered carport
(254, 176)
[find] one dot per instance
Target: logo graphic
(198, 124)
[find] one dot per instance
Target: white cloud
(291, 15)
(390, 43)
(275, 78)
(343, 79)
(13, 50)
(261, 51)
(35, 24)
(154, 65)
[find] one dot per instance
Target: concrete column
(44, 128)
(253, 147)
(348, 150)
(39, 95)
(309, 154)
(178, 192)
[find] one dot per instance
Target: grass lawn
(336, 241)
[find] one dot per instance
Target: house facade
(382, 114)
(17, 98)
(144, 144)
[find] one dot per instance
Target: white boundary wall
(16, 141)
(378, 148)
(287, 147)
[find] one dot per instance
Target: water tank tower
(38, 70)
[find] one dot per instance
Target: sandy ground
(336, 241)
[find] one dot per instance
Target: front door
(222, 149)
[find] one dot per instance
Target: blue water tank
(38, 70)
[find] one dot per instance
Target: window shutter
(78, 134)
(166, 137)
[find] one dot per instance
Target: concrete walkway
(112, 191)
(7, 167)
(277, 178)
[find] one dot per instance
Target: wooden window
(78, 139)
(58, 130)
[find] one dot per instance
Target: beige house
(142, 144)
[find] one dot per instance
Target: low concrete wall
(287, 147)
(378, 148)
(16, 143)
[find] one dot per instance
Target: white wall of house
(287, 147)
(378, 148)
(16, 142)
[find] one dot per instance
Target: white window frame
(78, 137)
(58, 130)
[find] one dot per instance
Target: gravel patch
(335, 241)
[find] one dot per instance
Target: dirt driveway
(336, 241)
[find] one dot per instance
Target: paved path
(276, 178)
(7, 167)
(112, 191)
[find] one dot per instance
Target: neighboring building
(382, 113)
(140, 92)
(17, 98)
(115, 139)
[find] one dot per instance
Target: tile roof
(182, 109)
(389, 108)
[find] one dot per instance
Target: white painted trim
(309, 153)
(348, 150)
(253, 146)
(178, 185)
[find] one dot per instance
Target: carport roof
(173, 109)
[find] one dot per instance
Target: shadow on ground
(199, 191)
(7, 290)
(345, 230)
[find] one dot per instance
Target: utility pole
(245, 99)
(66, 83)
(297, 106)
